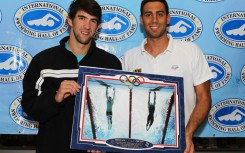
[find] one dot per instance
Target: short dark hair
(89, 6)
(146, 1)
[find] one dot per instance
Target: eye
(160, 14)
(147, 14)
(94, 21)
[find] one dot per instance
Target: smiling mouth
(154, 28)
(85, 33)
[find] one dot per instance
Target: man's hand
(189, 145)
(67, 88)
(199, 113)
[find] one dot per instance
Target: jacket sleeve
(40, 107)
(119, 65)
(115, 63)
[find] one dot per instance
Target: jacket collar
(90, 51)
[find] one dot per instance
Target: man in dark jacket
(50, 82)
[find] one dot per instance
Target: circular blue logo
(14, 62)
(229, 29)
(0, 16)
(221, 70)
(117, 24)
(20, 117)
(243, 75)
(41, 20)
(209, 1)
(184, 25)
(228, 116)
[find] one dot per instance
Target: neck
(78, 48)
(156, 46)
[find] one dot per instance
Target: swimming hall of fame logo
(230, 29)
(243, 75)
(0, 16)
(20, 117)
(221, 70)
(210, 1)
(14, 62)
(228, 116)
(41, 20)
(184, 25)
(117, 24)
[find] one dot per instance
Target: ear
(168, 18)
(141, 20)
(99, 26)
(69, 21)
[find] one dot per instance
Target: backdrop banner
(216, 26)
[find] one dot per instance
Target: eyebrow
(154, 11)
(81, 15)
(87, 17)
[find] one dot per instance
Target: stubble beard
(80, 40)
(156, 35)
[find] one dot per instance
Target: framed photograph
(120, 111)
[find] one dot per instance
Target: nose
(87, 25)
(154, 18)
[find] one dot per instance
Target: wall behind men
(216, 26)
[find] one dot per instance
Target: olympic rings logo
(132, 80)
